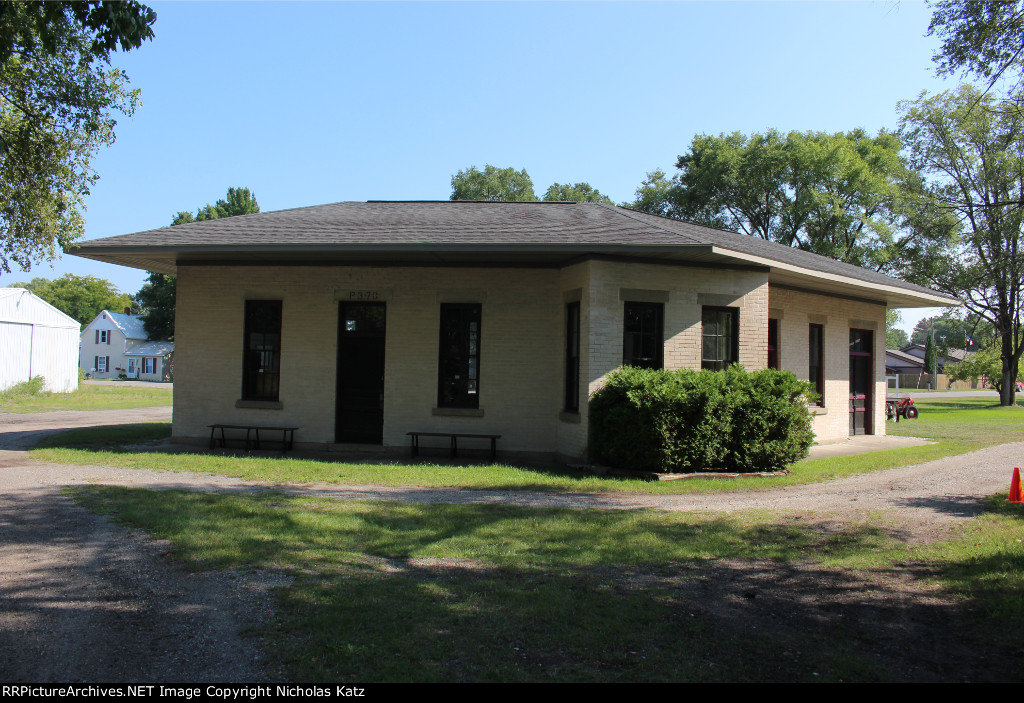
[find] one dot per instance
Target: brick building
(360, 322)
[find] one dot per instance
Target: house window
(572, 357)
(720, 338)
(458, 368)
(148, 365)
(643, 341)
(773, 344)
(102, 363)
(261, 362)
(816, 367)
(103, 336)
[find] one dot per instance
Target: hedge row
(681, 421)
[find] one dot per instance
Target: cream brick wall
(688, 290)
(521, 349)
(796, 311)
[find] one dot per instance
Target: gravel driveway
(84, 600)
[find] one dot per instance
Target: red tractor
(900, 406)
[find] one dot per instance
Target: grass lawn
(87, 397)
(399, 592)
(957, 426)
(404, 592)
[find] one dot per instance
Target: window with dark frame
(816, 366)
(261, 362)
(458, 367)
(643, 340)
(773, 344)
(572, 357)
(719, 338)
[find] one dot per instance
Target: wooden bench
(453, 436)
(252, 435)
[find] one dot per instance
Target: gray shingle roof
(408, 223)
(131, 326)
(486, 228)
(156, 348)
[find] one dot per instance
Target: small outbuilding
(36, 339)
(364, 324)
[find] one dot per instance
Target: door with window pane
(359, 416)
(861, 382)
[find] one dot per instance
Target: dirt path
(84, 600)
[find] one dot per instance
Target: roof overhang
(166, 259)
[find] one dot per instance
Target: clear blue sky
(308, 103)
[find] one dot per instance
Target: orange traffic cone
(1016, 494)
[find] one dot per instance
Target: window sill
(569, 416)
(818, 409)
(260, 404)
(458, 412)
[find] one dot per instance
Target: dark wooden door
(862, 379)
(359, 416)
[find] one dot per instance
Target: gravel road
(82, 599)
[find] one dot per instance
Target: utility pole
(935, 359)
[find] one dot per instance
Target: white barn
(36, 339)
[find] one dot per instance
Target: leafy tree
(845, 196)
(576, 193)
(951, 332)
(81, 297)
(492, 184)
(158, 295)
(895, 338)
(929, 355)
(239, 201)
(980, 37)
(58, 97)
(654, 195)
(984, 365)
(975, 158)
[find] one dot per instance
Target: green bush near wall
(681, 421)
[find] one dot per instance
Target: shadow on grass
(108, 437)
(392, 592)
(132, 438)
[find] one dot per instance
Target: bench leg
(494, 450)
(455, 447)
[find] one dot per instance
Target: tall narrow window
(572, 357)
(458, 368)
(261, 363)
(643, 342)
(816, 367)
(773, 344)
(720, 338)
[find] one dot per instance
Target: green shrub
(33, 386)
(652, 420)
